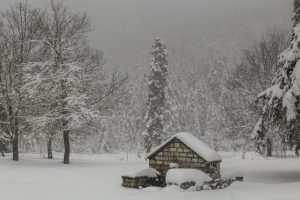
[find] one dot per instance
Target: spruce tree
(296, 17)
(281, 102)
(156, 95)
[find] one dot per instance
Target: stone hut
(184, 150)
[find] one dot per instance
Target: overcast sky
(125, 29)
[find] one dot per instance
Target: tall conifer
(157, 82)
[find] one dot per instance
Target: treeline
(57, 91)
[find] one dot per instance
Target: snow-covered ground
(99, 177)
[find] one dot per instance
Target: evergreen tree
(156, 95)
(296, 17)
(281, 100)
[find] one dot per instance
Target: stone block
(186, 150)
(152, 162)
(194, 165)
(176, 153)
(173, 149)
(181, 159)
(157, 157)
(183, 154)
(190, 155)
(166, 153)
(166, 149)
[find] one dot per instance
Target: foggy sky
(125, 29)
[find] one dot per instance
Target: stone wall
(143, 181)
(135, 182)
(177, 152)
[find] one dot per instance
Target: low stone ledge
(143, 181)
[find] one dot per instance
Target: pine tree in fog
(157, 82)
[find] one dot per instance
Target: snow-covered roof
(195, 144)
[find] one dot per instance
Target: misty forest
(200, 95)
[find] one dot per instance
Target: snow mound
(149, 172)
(231, 174)
(180, 176)
(195, 144)
(172, 188)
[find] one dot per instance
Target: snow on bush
(180, 176)
(149, 172)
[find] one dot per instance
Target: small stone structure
(186, 151)
(137, 182)
(143, 178)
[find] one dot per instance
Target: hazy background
(125, 29)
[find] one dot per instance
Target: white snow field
(99, 178)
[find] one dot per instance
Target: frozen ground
(99, 177)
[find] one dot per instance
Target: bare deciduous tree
(18, 25)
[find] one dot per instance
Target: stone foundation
(143, 181)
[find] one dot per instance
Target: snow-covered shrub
(186, 178)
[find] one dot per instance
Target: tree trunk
(16, 138)
(269, 147)
(2, 149)
(297, 146)
(49, 147)
(16, 147)
(66, 130)
(202, 132)
(67, 147)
